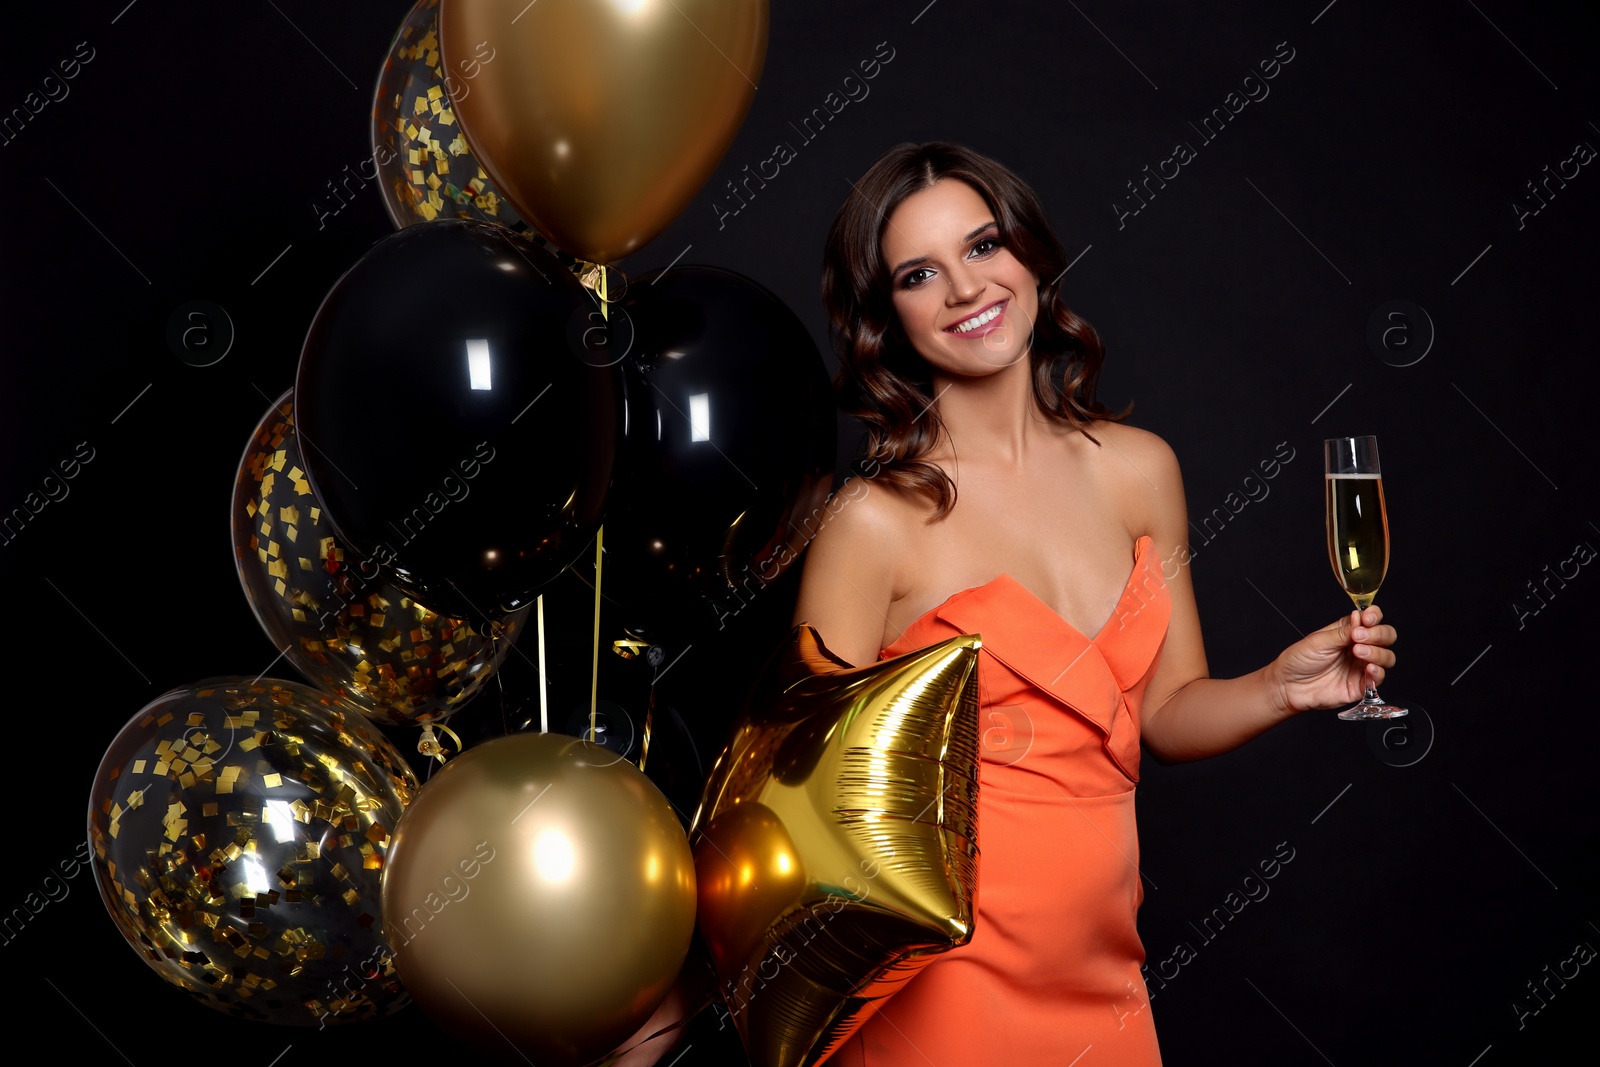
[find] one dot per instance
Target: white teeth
(977, 320)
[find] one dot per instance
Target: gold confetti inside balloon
(601, 121)
(424, 166)
(540, 899)
(836, 843)
(239, 831)
(333, 613)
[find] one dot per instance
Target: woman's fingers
(1374, 635)
(1373, 654)
(1370, 639)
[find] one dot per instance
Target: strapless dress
(1051, 974)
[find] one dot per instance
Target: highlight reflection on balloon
(730, 451)
(540, 898)
(332, 613)
(458, 440)
(238, 831)
(836, 844)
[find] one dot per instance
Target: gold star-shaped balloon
(836, 843)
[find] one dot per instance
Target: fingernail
(1360, 633)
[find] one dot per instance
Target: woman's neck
(993, 418)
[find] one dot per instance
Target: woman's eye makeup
(910, 279)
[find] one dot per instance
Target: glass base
(1372, 708)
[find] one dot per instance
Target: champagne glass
(1358, 539)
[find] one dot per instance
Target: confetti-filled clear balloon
(239, 831)
(332, 612)
(425, 168)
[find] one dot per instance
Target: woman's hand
(1332, 667)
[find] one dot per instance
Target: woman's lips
(988, 327)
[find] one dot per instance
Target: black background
(1432, 877)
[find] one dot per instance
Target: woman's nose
(965, 285)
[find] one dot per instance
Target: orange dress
(1051, 975)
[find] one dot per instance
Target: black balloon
(730, 445)
(450, 430)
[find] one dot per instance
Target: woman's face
(947, 269)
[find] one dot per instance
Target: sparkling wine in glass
(1358, 538)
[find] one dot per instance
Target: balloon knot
(430, 746)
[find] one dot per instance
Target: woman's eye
(910, 279)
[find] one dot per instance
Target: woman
(1007, 501)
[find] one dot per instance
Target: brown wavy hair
(882, 379)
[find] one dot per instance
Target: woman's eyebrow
(924, 259)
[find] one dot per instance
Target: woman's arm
(1187, 714)
(848, 574)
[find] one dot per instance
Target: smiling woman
(895, 331)
(946, 203)
(958, 352)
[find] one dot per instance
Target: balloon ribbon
(594, 675)
(595, 278)
(544, 711)
(430, 745)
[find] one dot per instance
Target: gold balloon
(540, 897)
(238, 830)
(424, 167)
(663, 1032)
(836, 842)
(332, 613)
(600, 120)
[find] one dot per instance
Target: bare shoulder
(1138, 446)
(853, 566)
(1145, 470)
(862, 519)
